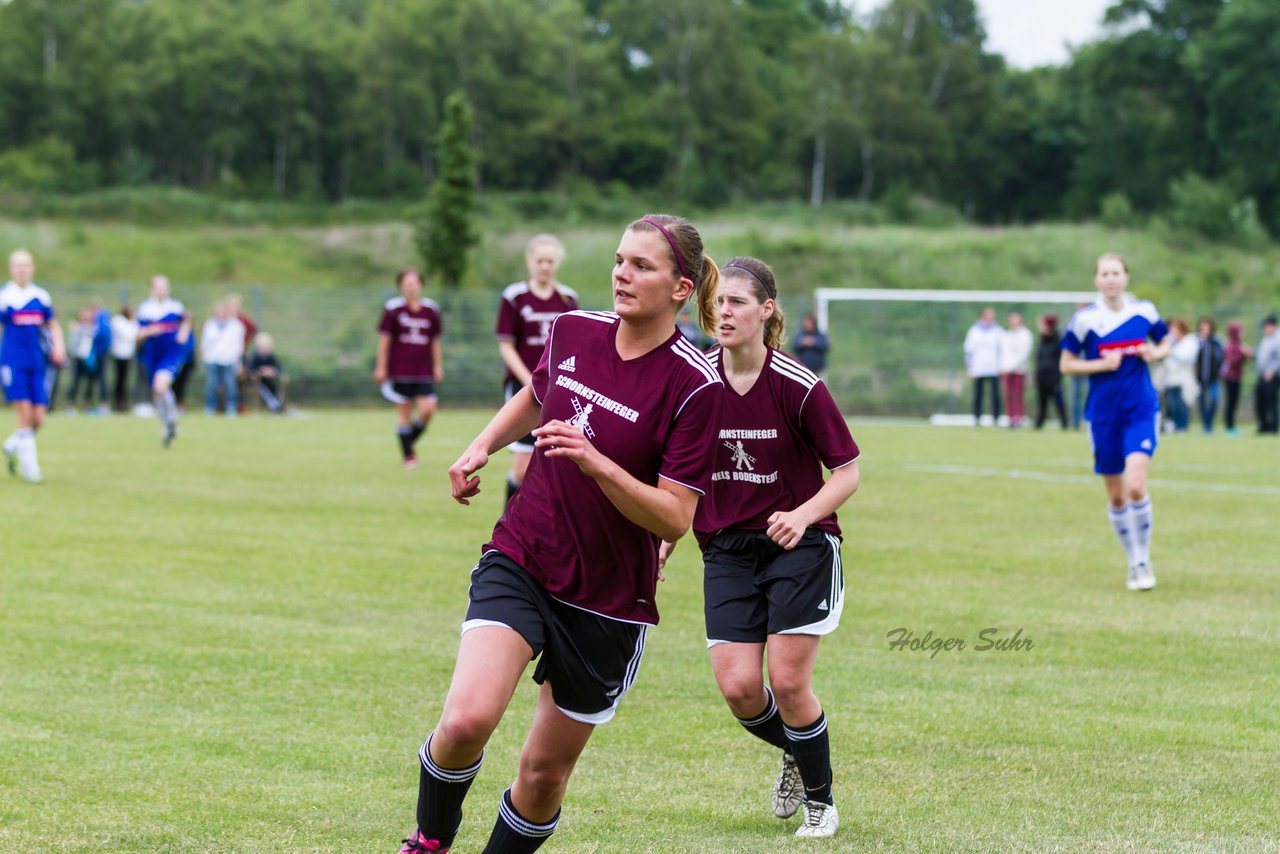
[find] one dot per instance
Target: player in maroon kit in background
(773, 581)
(524, 322)
(409, 362)
(624, 409)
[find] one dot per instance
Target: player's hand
(379, 375)
(461, 481)
(1110, 360)
(1146, 351)
(59, 356)
(786, 529)
(438, 373)
(664, 552)
(562, 440)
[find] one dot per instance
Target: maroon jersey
(412, 333)
(654, 416)
(771, 447)
(526, 319)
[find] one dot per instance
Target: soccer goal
(899, 352)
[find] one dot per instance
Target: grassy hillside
(808, 249)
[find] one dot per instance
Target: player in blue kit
(25, 312)
(164, 333)
(1111, 341)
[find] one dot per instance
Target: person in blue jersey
(1111, 342)
(164, 336)
(26, 312)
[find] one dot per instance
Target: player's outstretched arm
(515, 419)
(787, 528)
(665, 509)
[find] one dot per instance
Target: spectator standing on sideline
(982, 361)
(1235, 354)
(811, 346)
(1048, 372)
(1209, 363)
(124, 346)
(222, 351)
(86, 369)
(236, 304)
(266, 372)
(1180, 374)
(28, 322)
(1267, 391)
(525, 315)
(1015, 357)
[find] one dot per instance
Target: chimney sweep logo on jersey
(744, 464)
(594, 401)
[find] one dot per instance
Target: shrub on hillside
(48, 165)
(1212, 209)
(1116, 211)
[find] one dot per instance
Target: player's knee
(744, 694)
(543, 777)
(465, 730)
(792, 691)
(1136, 492)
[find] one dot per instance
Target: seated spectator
(265, 372)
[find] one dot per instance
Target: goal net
(900, 352)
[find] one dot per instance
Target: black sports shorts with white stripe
(753, 587)
(590, 660)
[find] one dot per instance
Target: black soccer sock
(767, 726)
(512, 486)
(405, 435)
(417, 428)
(440, 795)
(812, 751)
(515, 834)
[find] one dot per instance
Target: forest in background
(1175, 115)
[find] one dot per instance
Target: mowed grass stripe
(239, 644)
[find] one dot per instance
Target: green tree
(447, 230)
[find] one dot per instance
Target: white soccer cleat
(1146, 578)
(788, 791)
(820, 821)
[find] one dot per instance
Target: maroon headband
(674, 248)
(772, 294)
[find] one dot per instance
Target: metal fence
(887, 358)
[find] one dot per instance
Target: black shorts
(403, 391)
(523, 445)
(753, 587)
(590, 660)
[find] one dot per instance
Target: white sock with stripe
(1122, 522)
(1140, 517)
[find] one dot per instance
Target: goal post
(899, 351)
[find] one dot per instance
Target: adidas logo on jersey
(823, 606)
(569, 365)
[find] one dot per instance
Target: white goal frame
(823, 297)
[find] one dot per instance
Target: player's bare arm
(58, 354)
(514, 364)
(384, 351)
(1156, 352)
(512, 421)
(1073, 365)
(787, 528)
(666, 509)
(437, 360)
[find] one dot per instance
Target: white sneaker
(1145, 577)
(788, 791)
(1132, 581)
(820, 821)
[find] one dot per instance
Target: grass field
(239, 644)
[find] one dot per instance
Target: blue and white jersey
(1096, 329)
(164, 318)
(24, 312)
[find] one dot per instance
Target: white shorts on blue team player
(1114, 439)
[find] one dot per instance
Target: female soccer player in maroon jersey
(773, 581)
(624, 410)
(409, 360)
(524, 322)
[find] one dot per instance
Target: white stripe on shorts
(835, 597)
